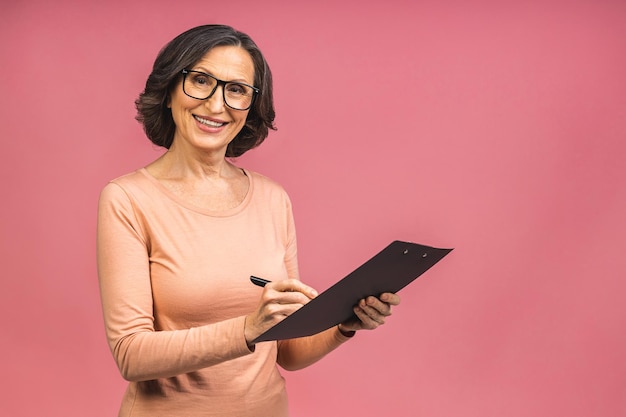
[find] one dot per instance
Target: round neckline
(213, 213)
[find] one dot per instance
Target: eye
(237, 89)
(199, 79)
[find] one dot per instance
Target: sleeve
(141, 353)
(295, 354)
(291, 250)
(299, 353)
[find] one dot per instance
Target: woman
(179, 239)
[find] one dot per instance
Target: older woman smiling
(179, 238)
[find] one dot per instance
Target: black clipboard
(390, 270)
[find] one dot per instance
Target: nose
(215, 102)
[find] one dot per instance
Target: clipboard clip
(406, 251)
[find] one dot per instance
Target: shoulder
(131, 180)
(265, 183)
(126, 187)
(267, 187)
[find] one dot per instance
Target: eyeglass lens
(201, 86)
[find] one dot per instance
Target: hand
(371, 312)
(278, 300)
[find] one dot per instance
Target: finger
(380, 306)
(294, 285)
(367, 321)
(372, 313)
(280, 311)
(272, 296)
(390, 298)
(289, 297)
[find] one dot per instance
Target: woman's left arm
(370, 312)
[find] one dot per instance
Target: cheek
(180, 108)
(243, 120)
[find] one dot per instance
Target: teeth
(208, 122)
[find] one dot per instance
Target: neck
(176, 163)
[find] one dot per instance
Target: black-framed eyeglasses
(201, 86)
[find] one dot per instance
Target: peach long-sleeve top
(174, 282)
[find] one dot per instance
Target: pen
(258, 281)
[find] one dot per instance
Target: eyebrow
(237, 80)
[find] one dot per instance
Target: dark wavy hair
(185, 51)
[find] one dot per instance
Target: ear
(168, 101)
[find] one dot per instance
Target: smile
(208, 122)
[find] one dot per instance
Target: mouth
(207, 122)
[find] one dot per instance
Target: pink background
(494, 128)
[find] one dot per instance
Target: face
(209, 125)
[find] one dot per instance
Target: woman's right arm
(141, 353)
